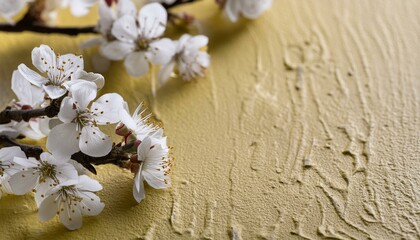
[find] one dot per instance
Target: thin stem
(8, 115)
(31, 22)
(117, 156)
(176, 3)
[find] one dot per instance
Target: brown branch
(8, 115)
(177, 3)
(117, 156)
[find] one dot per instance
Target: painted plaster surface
(307, 126)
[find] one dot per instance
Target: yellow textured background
(307, 126)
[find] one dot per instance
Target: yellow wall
(306, 126)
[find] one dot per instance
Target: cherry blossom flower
(57, 70)
(107, 16)
(40, 175)
(78, 8)
(136, 124)
(71, 200)
(154, 168)
(248, 8)
(7, 169)
(139, 43)
(29, 97)
(190, 57)
(79, 131)
(10, 8)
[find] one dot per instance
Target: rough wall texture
(306, 127)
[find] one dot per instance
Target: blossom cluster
(58, 176)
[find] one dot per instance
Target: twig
(30, 22)
(117, 156)
(8, 115)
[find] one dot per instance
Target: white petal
(81, 7)
(66, 172)
(136, 64)
(88, 184)
(71, 217)
(25, 163)
(117, 50)
(232, 10)
(32, 76)
(125, 28)
(126, 7)
(96, 78)
(43, 57)
(165, 72)
(138, 188)
(161, 51)
(8, 153)
(107, 108)
(198, 42)
(67, 111)
(42, 190)
(63, 140)
(54, 92)
(70, 64)
(94, 142)
(91, 205)
(144, 148)
(48, 207)
(26, 93)
(23, 182)
(152, 19)
(83, 93)
(254, 8)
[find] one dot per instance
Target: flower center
(84, 118)
(47, 171)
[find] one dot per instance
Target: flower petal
(71, 217)
(152, 19)
(125, 28)
(48, 207)
(117, 50)
(165, 72)
(138, 188)
(43, 57)
(161, 51)
(8, 153)
(91, 204)
(54, 92)
(67, 111)
(63, 140)
(88, 184)
(136, 64)
(32, 76)
(96, 78)
(83, 93)
(42, 190)
(69, 64)
(26, 93)
(94, 142)
(107, 108)
(23, 182)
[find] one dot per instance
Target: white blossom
(248, 8)
(80, 131)
(56, 70)
(137, 124)
(10, 8)
(40, 175)
(29, 97)
(154, 168)
(107, 17)
(190, 57)
(7, 169)
(78, 8)
(139, 43)
(71, 200)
